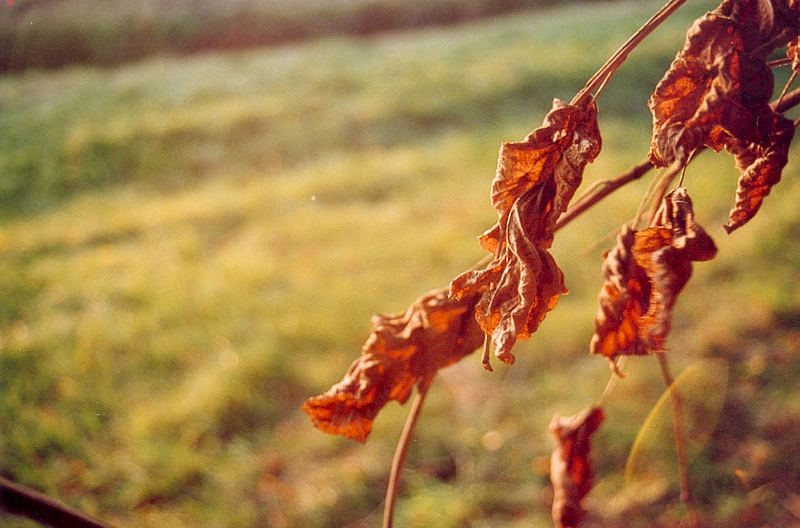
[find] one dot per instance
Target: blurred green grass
(189, 248)
(56, 33)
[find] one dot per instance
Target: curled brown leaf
(642, 277)
(760, 165)
(624, 299)
(701, 100)
(716, 95)
(535, 180)
(403, 350)
(570, 467)
(665, 251)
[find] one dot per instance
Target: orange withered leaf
(665, 251)
(570, 467)
(642, 277)
(535, 180)
(716, 95)
(701, 101)
(624, 299)
(760, 166)
(549, 161)
(403, 350)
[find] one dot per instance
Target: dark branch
(19, 500)
(788, 101)
(602, 189)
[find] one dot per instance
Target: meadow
(190, 247)
(55, 33)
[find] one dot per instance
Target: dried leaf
(403, 350)
(642, 277)
(701, 100)
(765, 25)
(665, 251)
(570, 467)
(624, 299)
(793, 53)
(535, 180)
(760, 165)
(550, 159)
(716, 95)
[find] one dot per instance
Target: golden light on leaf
(624, 299)
(535, 180)
(665, 251)
(761, 165)
(642, 277)
(402, 351)
(793, 53)
(716, 95)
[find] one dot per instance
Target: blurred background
(202, 203)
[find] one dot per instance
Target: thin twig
(616, 375)
(777, 63)
(660, 189)
(680, 436)
(400, 453)
(486, 359)
(603, 75)
(789, 82)
(20, 500)
(787, 101)
(600, 190)
(646, 202)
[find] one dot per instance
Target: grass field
(191, 247)
(56, 33)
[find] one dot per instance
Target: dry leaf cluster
(715, 95)
(642, 277)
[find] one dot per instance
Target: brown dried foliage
(716, 95)
(570, 468)
(403, 350)
(793, 53)
(642, 277)
(624, 299)
(535, 180)
(760, 167)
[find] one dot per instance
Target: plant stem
(20, 500)
(486, 359)
(789, 82)
(787, 101)
(616, 374)
(660, 189)
(400, 453)
(600, 190)
(680, 437)
(777, 63)
(607, 70)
